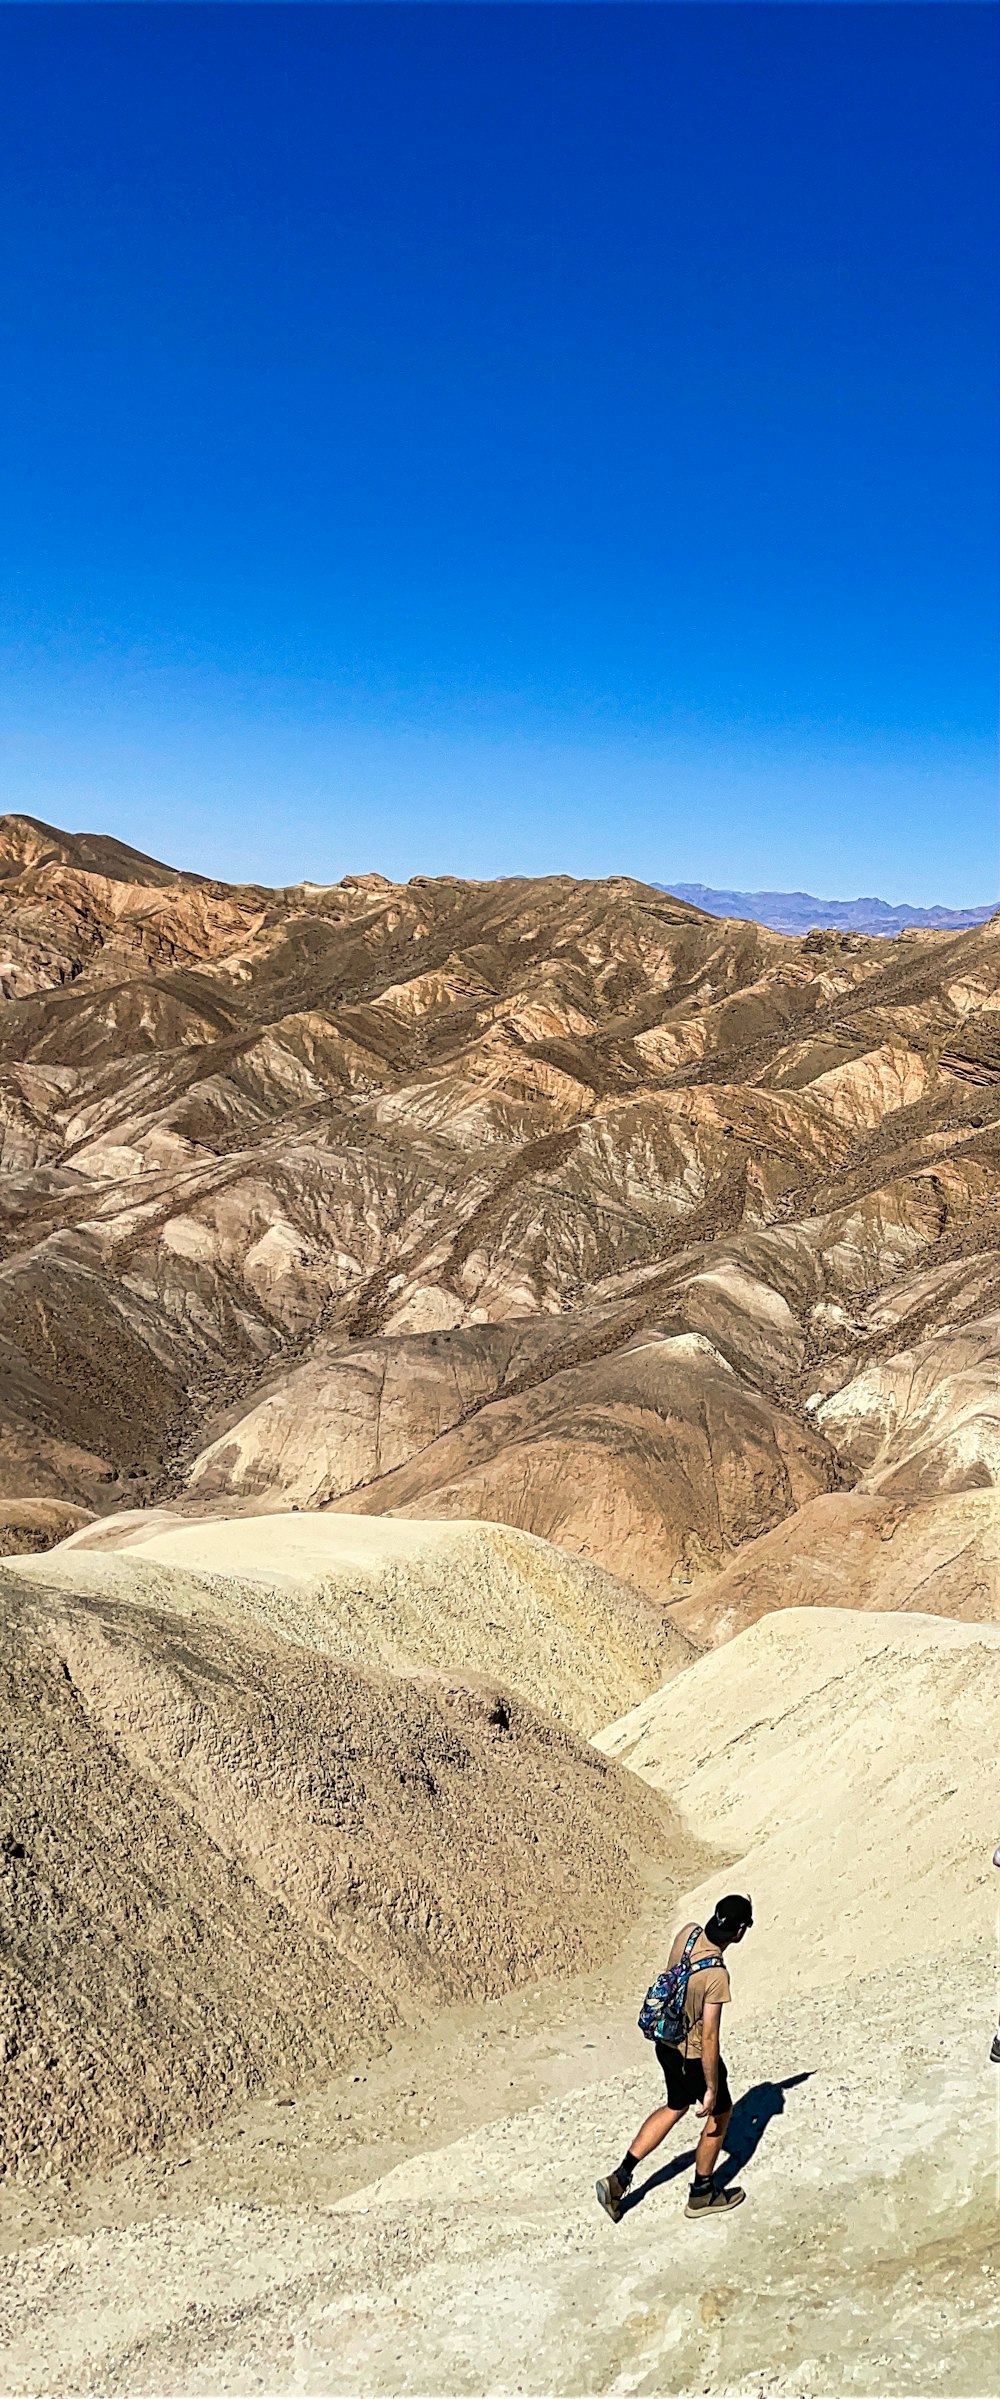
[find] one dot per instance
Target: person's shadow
(747, 2125)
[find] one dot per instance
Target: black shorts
(685, 2079)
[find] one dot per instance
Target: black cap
(732, 1913)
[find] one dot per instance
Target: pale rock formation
(458, 1599)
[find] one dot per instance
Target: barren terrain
(560, 1205)
(432, 2227)
(499, 1442)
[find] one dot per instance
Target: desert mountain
(30, 848)
(431, 1315)
(559, 1205)
(799, 911)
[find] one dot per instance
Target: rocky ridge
(557, 1204)
(801, 911)
(455, 1599)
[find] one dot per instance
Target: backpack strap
(685, 1957)
(693, 1965)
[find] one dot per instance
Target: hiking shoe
(714, 2203)
(610, 2194)
(995, 2051)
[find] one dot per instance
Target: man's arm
(710, 2022)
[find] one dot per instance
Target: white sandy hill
(847, 1764)
(466, 1598)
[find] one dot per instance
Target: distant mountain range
(799, 911)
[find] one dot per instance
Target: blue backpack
(661, 2016)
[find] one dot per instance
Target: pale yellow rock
(456, 1598)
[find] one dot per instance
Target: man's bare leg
(615, 2189)
(711, 2141)
(655, 2130)
(703, 2198)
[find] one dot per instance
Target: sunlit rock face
(557, 1204)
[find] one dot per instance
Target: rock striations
(560, 1205)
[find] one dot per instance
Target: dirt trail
(431, 2228)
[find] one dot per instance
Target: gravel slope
(229, 1863)
(478, 2263)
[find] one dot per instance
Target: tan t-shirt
(711, 1983)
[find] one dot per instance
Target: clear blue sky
(505, 439)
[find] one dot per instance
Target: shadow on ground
(747, 2125)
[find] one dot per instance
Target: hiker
(995, 2051)
(685, 2007)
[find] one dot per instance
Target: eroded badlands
(499, 1441)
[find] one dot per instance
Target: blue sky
(494, 439)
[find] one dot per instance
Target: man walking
(693, 2068)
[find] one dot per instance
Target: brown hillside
(548, 1202)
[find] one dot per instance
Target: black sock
(625, 2171)
(701, 2183)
